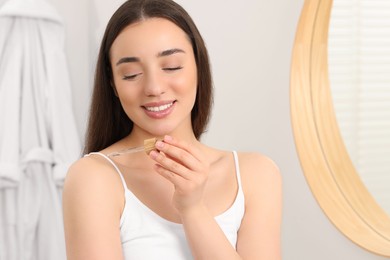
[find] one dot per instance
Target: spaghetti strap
(238, 174)
(113, 164)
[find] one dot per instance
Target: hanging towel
(38, 135)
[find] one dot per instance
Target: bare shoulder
(89, 166)
(92, 173)
(259, 234)
(93, 199)
(93, 181)
(259, 173)
(257, 165)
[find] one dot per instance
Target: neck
(137, 136)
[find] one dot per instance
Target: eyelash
(172, 69)
(131, 77)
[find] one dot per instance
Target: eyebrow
(160, 54)
(170, 52)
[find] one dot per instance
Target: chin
(162, 128)
(160, 132)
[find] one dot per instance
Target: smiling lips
(159, 110)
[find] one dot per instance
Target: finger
(170, 165)
(178, 154)
(175, 179)
(164, 172)
(192, 149)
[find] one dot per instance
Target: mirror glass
(359, 74)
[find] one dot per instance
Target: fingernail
(153, 154)
(159, 144)
(168, 138)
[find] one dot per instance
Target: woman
(184, 200)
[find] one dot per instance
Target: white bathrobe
(38, 136)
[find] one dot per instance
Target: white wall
(250, 47)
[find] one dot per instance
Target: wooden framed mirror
(326, 164)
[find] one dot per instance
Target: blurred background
(250, 47)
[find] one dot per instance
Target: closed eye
(131, 77)
(172, 68)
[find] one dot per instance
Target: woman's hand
(187, 169)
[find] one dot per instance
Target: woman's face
(155, 76)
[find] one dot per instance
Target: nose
(153, 85)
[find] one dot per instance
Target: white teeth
(159, 108)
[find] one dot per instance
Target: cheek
(188, 82)
(129, 106)
(185, 85)
(127, 96)
(126, 90)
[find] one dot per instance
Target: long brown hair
(108, 121)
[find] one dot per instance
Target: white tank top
(147, 236)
